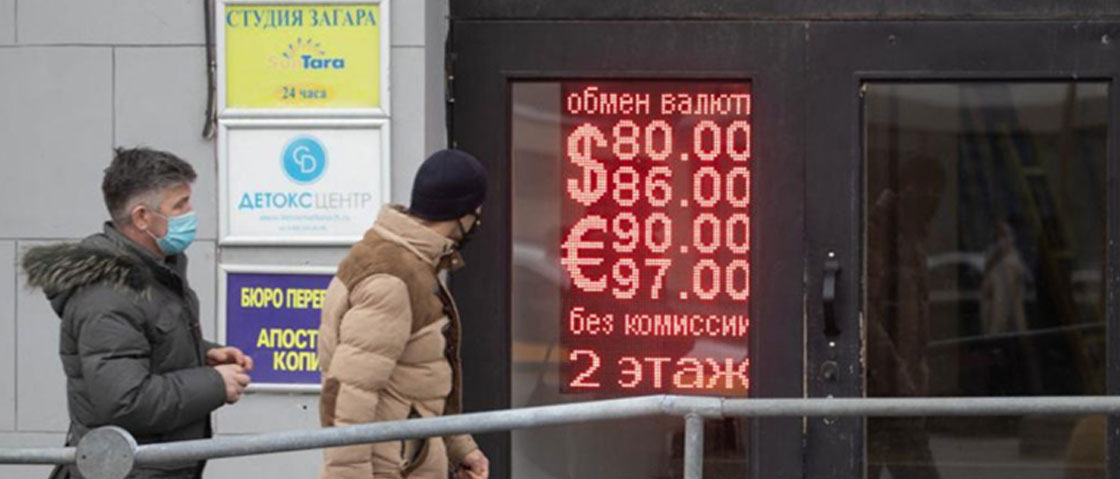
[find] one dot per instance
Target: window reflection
(984, 259)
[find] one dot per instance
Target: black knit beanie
(450, 184)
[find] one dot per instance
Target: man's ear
(140, 216)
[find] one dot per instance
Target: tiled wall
(79, 77)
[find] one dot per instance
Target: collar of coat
(60, 269)
(176, 263)
(393, 224)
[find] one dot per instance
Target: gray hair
(138, 174)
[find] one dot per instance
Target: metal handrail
(38, 455)
(111, 452)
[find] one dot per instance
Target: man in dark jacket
(130, 341)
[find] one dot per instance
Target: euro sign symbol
(572, 260)
(306, 160)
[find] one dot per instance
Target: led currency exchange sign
(656, 182)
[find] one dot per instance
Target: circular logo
(304, 160)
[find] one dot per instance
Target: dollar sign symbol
(593, 184)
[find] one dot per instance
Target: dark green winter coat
(130, 343)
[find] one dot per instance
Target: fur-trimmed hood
(66, 267)
(61, 270)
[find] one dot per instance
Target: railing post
(106, 453)
(693, 446)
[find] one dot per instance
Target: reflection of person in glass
(1005, 285)
(898, 320)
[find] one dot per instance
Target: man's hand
(235, 380)
(229, 355)
(474, 466)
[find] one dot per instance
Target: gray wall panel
(409, 14)
(146, 114)
(304, 256)
(408, 119)
(111, 22)
(269, 412)
(40, 385)
(56, 120)
(25, 472)
(302, 464)
(435, 107)
(8, 271)
(200, 274)
(7, 22)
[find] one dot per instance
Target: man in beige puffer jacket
(389, 337)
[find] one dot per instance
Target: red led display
(655, 237)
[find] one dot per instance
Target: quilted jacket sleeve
(458, 447)
(115, 357)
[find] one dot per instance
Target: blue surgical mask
(180, 233)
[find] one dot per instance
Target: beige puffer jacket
(384, 354)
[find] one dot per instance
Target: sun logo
(300, 48)
(292, 57)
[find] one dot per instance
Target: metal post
(693, 446)
(107, 453)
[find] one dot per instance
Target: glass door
(972, 245)
(984, 225)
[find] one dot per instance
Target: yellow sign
(303, 56)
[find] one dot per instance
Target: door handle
(828, 294)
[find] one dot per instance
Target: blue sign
(274, 318)
(305, 160)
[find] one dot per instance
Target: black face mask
(465, 235)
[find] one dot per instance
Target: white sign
(302, 182)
